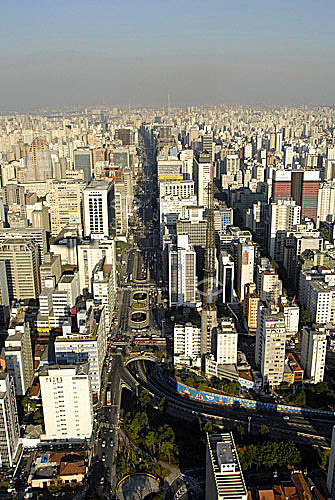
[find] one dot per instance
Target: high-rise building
(104, 288)
(182, 273)
(84, 341)
(207, 144)
(10, 429)
(4, 295)
(90, 252)
(22, 269)
(250, 306)
(224, 476)
(203, 175)
(38, 162)
(83, 160)
(67, 402)
(313, 353)
(245, 265)
(66, 203)
(226, 343)
(36, 235)
(186, 343)
(18, 353)
(226, 277)
(300, 185)
(121, 210)
(284, 215)
(270, 344)
(98, 209)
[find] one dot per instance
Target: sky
(79, 52)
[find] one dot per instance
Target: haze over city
(214, 52)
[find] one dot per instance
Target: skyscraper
(313, 353)
(82, 159)
(66, 203)
(22, 268)
(98, 209)
(246, 254)
(182, 273)
(10, 429)
(67, 402)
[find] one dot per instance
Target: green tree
(163, 404)
(150, 441)
(144, 399)
(263, 430)
(25, 403)
(208, 427)
(166, 449)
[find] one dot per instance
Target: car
(286, 417)
(102, 480)
(103, 444)
(111, 442)
(103, 457)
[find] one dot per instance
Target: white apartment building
(98, 206)
(67, 402)
(69, 283)
(270, 343)
(284, 215)
(88, 344)
(226, 343)
(90, 252)
(320, 303)
(186, 344)
(18, 354)
(182, 273)
(313, 353)
(10, 429)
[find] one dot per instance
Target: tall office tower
(98, 155)
(272, 142)
(186, 343)
(331, 467)
(300, 185)
(104, 287)
(250, 306)
(67, 402)
(38, 162)
(232, 164)
(36, 235)
(288, 156)
(203, 175)
(18, 353)
(84, 340)
(125, 135)
(82, 160)
(284, 215)
(207, 144)
(226, 277)
(246, 254)
(10, 429)
(4, 295)
(65, 199)
(313, 353)
(22, 269)
(120, 209)
(270, 344)
(182, 273)
(186, 157)
(89, 254)
(279, 142)
(330, 164)
(193, 135)
(224, 476)
(129, 188)
(209, 311)
(98, 209)
(326, 201)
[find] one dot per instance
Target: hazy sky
(59, 52)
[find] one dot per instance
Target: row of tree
(270, 455)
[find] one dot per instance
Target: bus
(108, 398)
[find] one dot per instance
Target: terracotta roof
(302, 488)
(266, 495)
(71, 468)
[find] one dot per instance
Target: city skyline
(80, 54)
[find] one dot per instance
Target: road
(298, 428)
